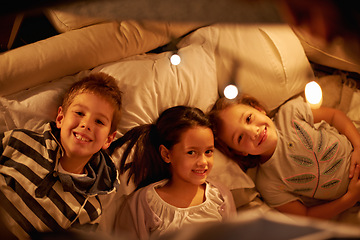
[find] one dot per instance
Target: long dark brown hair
(146, 165)
(222, 103)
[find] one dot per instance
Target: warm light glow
(313, 94)
(175, 59)
(231, 91)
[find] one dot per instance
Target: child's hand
(354, 185)
(355, 160)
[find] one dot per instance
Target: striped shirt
(36, 197)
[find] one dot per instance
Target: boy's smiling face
(85, 126)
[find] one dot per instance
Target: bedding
(81, 49)
(266, 61)
(339, 54)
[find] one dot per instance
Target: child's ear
(165, 153)
(59, 117)
(109, 140)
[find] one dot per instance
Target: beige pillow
(340, 54)
(151, 84)
(81, 49)
(266, 61)
(64, 18)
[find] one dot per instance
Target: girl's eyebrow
(196, 148)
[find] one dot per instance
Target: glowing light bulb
(313, 94)
(175, 59)
(231, 91)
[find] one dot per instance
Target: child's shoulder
(296, 103)
(222, 188)
(296, 100)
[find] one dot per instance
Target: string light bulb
(231, 91)
(313, 94)
(175, 59)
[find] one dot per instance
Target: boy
(50, 181)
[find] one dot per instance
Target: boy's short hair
(102, 85)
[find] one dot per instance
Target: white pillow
(80, 49)
(33, 107)
(229, 173)
(266, 61)
(151, 84)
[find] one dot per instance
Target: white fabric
(64, 19)
(32, 108)
(174, 217)
(354, 112)
(151, 84)
(81, 49)
(62, 170)
(227, 172)
(310, 160)
(265, 61)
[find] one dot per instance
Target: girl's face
(247, 130)
(192, 158)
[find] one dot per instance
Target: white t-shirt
(311, 161)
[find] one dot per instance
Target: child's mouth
(201, 172)
(263, 136)
(81, 138)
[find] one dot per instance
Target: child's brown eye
(191, 152)
(248, 118)
(239, 139)
(209, 152)
(99, 122)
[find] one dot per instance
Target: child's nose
(253, 132)
(202, 160)
(85, 123)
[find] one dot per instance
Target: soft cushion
(151, 84)
(63, 18)
(340, 54)
(265, 61)
(229, 173)
(33, 107)
(77, 50)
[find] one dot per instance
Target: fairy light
(231, 91)
(175, 59)
(313, 94)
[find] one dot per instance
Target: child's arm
(330, 209)
(344, 125)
